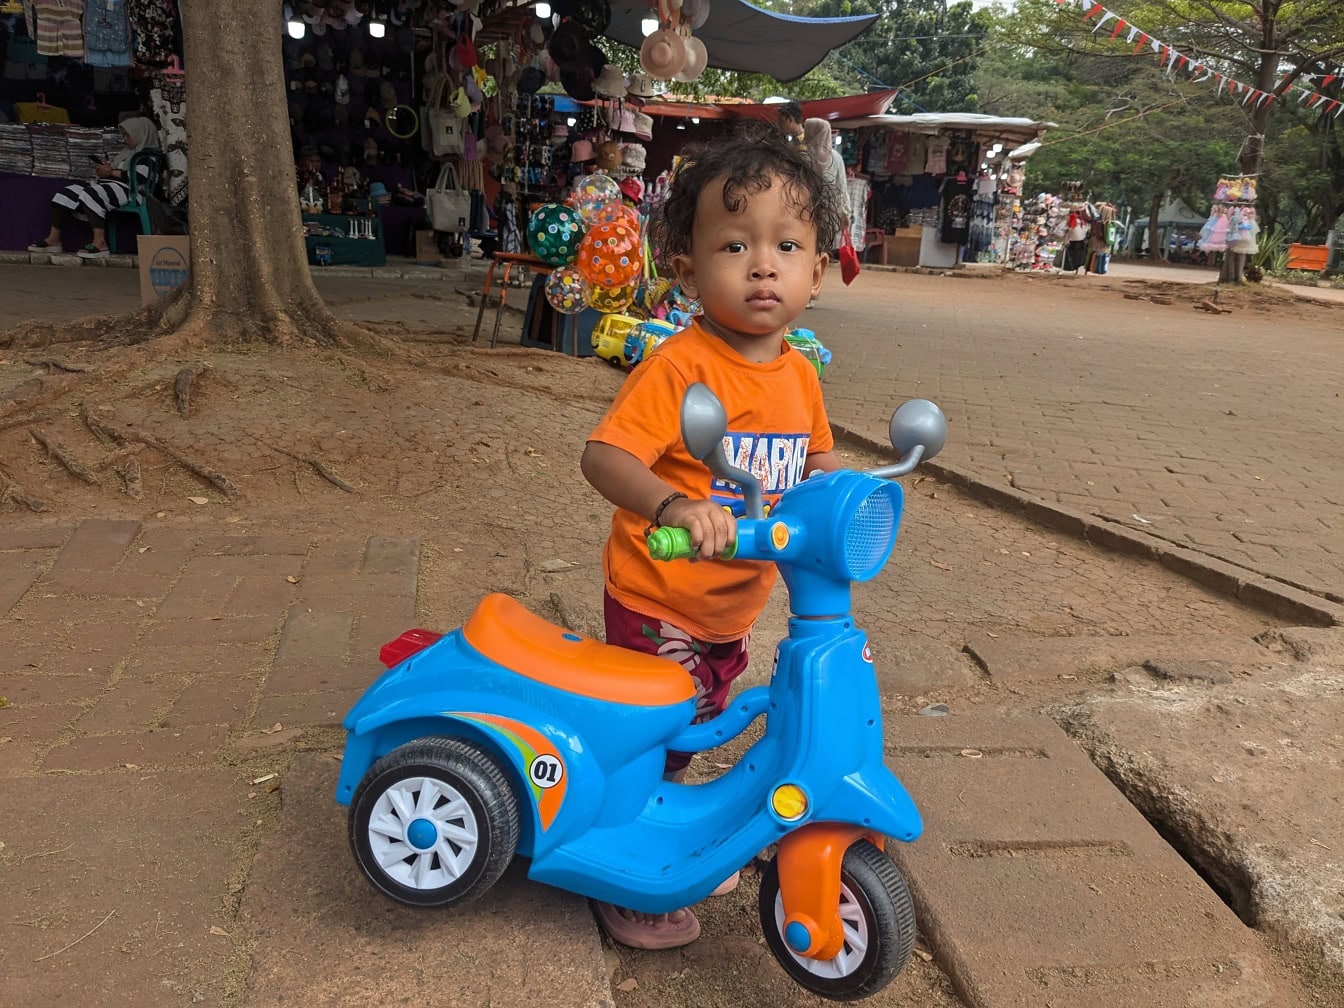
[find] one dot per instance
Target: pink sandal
(727, 885)
(665, 934)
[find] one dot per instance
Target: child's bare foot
(648, 931)
(727, 885)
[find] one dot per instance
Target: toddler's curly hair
(749, 160)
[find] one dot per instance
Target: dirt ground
(474, 451)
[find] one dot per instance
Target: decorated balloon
(553, 232)
(567, 290)
(610, 299)
(592, 192)
(616, 213)
(610, 255)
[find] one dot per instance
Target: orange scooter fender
(809, 882)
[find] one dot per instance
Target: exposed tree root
(217, 479)
(62, 455)
(24, 421)
(116, 458)
(11, 491)
(55, 365)
(182, 387)
(34, 394)
(129, 472)
(318, 466)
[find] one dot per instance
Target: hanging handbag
(849, 259)
(448, 205)
(441, 128)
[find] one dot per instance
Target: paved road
(1223, 433)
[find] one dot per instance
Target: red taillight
(397, 651)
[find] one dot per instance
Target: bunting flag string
(1172, 60)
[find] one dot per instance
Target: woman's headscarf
(143, 133)
(817, 140)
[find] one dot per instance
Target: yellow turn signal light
(779, 535)
(789, 802)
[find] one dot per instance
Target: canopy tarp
(1001, 128)
(738, 36)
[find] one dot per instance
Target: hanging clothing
(955, 227)
(57, 26)
(859, 192)
(107, 34)
(155, 25)
(169, 101)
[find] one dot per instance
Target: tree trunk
(249, 267)
(1156, 248)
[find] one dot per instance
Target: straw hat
(696, 58)
(610, 82)
(662, 54)
(641, 85)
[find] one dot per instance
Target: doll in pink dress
(1217, 239)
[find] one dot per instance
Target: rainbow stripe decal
(545, 769)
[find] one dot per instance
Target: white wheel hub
(852, 952)
(422, 833)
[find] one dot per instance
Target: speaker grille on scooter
(869, 537)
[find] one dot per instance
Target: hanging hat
(696, 58)
(609, 155)
(632, 158)
(610, 82)
(662, 54)
(569, 44)
(642, 85)
(578, 82)
(643, 126)
(530, 78)
(633, 187)
(465, 51)
(582, 151)
(694, 13)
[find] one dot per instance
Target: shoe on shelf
(92, 251)
(38, 247)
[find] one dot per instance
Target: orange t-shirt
(775, 418)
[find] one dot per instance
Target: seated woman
(93, 200)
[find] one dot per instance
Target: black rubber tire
(478, 777)
(879, 889)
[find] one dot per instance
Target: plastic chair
(142, 189)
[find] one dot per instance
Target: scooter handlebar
(667, 542)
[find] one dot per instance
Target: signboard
(165, 264)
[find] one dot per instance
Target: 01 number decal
(546, 771)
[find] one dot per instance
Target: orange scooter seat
(507, 632)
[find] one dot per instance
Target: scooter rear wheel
(879, 920)
(433, 822)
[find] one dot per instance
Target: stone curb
(1247, 586)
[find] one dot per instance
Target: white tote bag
(448, 205)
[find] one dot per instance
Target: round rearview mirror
(703, 423)
(918, 422)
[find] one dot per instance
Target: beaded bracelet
(658, 513)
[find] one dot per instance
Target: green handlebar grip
(670, 543)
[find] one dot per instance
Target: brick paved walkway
(1221, 433)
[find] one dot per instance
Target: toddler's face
(753, 269)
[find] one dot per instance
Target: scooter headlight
(870, 530)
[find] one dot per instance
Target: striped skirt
(92, 199)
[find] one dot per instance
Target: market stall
(925, 186)
(64, 92)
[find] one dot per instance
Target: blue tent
(738, 36)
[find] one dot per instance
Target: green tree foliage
(928, 48)
(1271, 45)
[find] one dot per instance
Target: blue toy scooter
(514, 736)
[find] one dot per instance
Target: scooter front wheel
(433, 822)
(879, 921)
